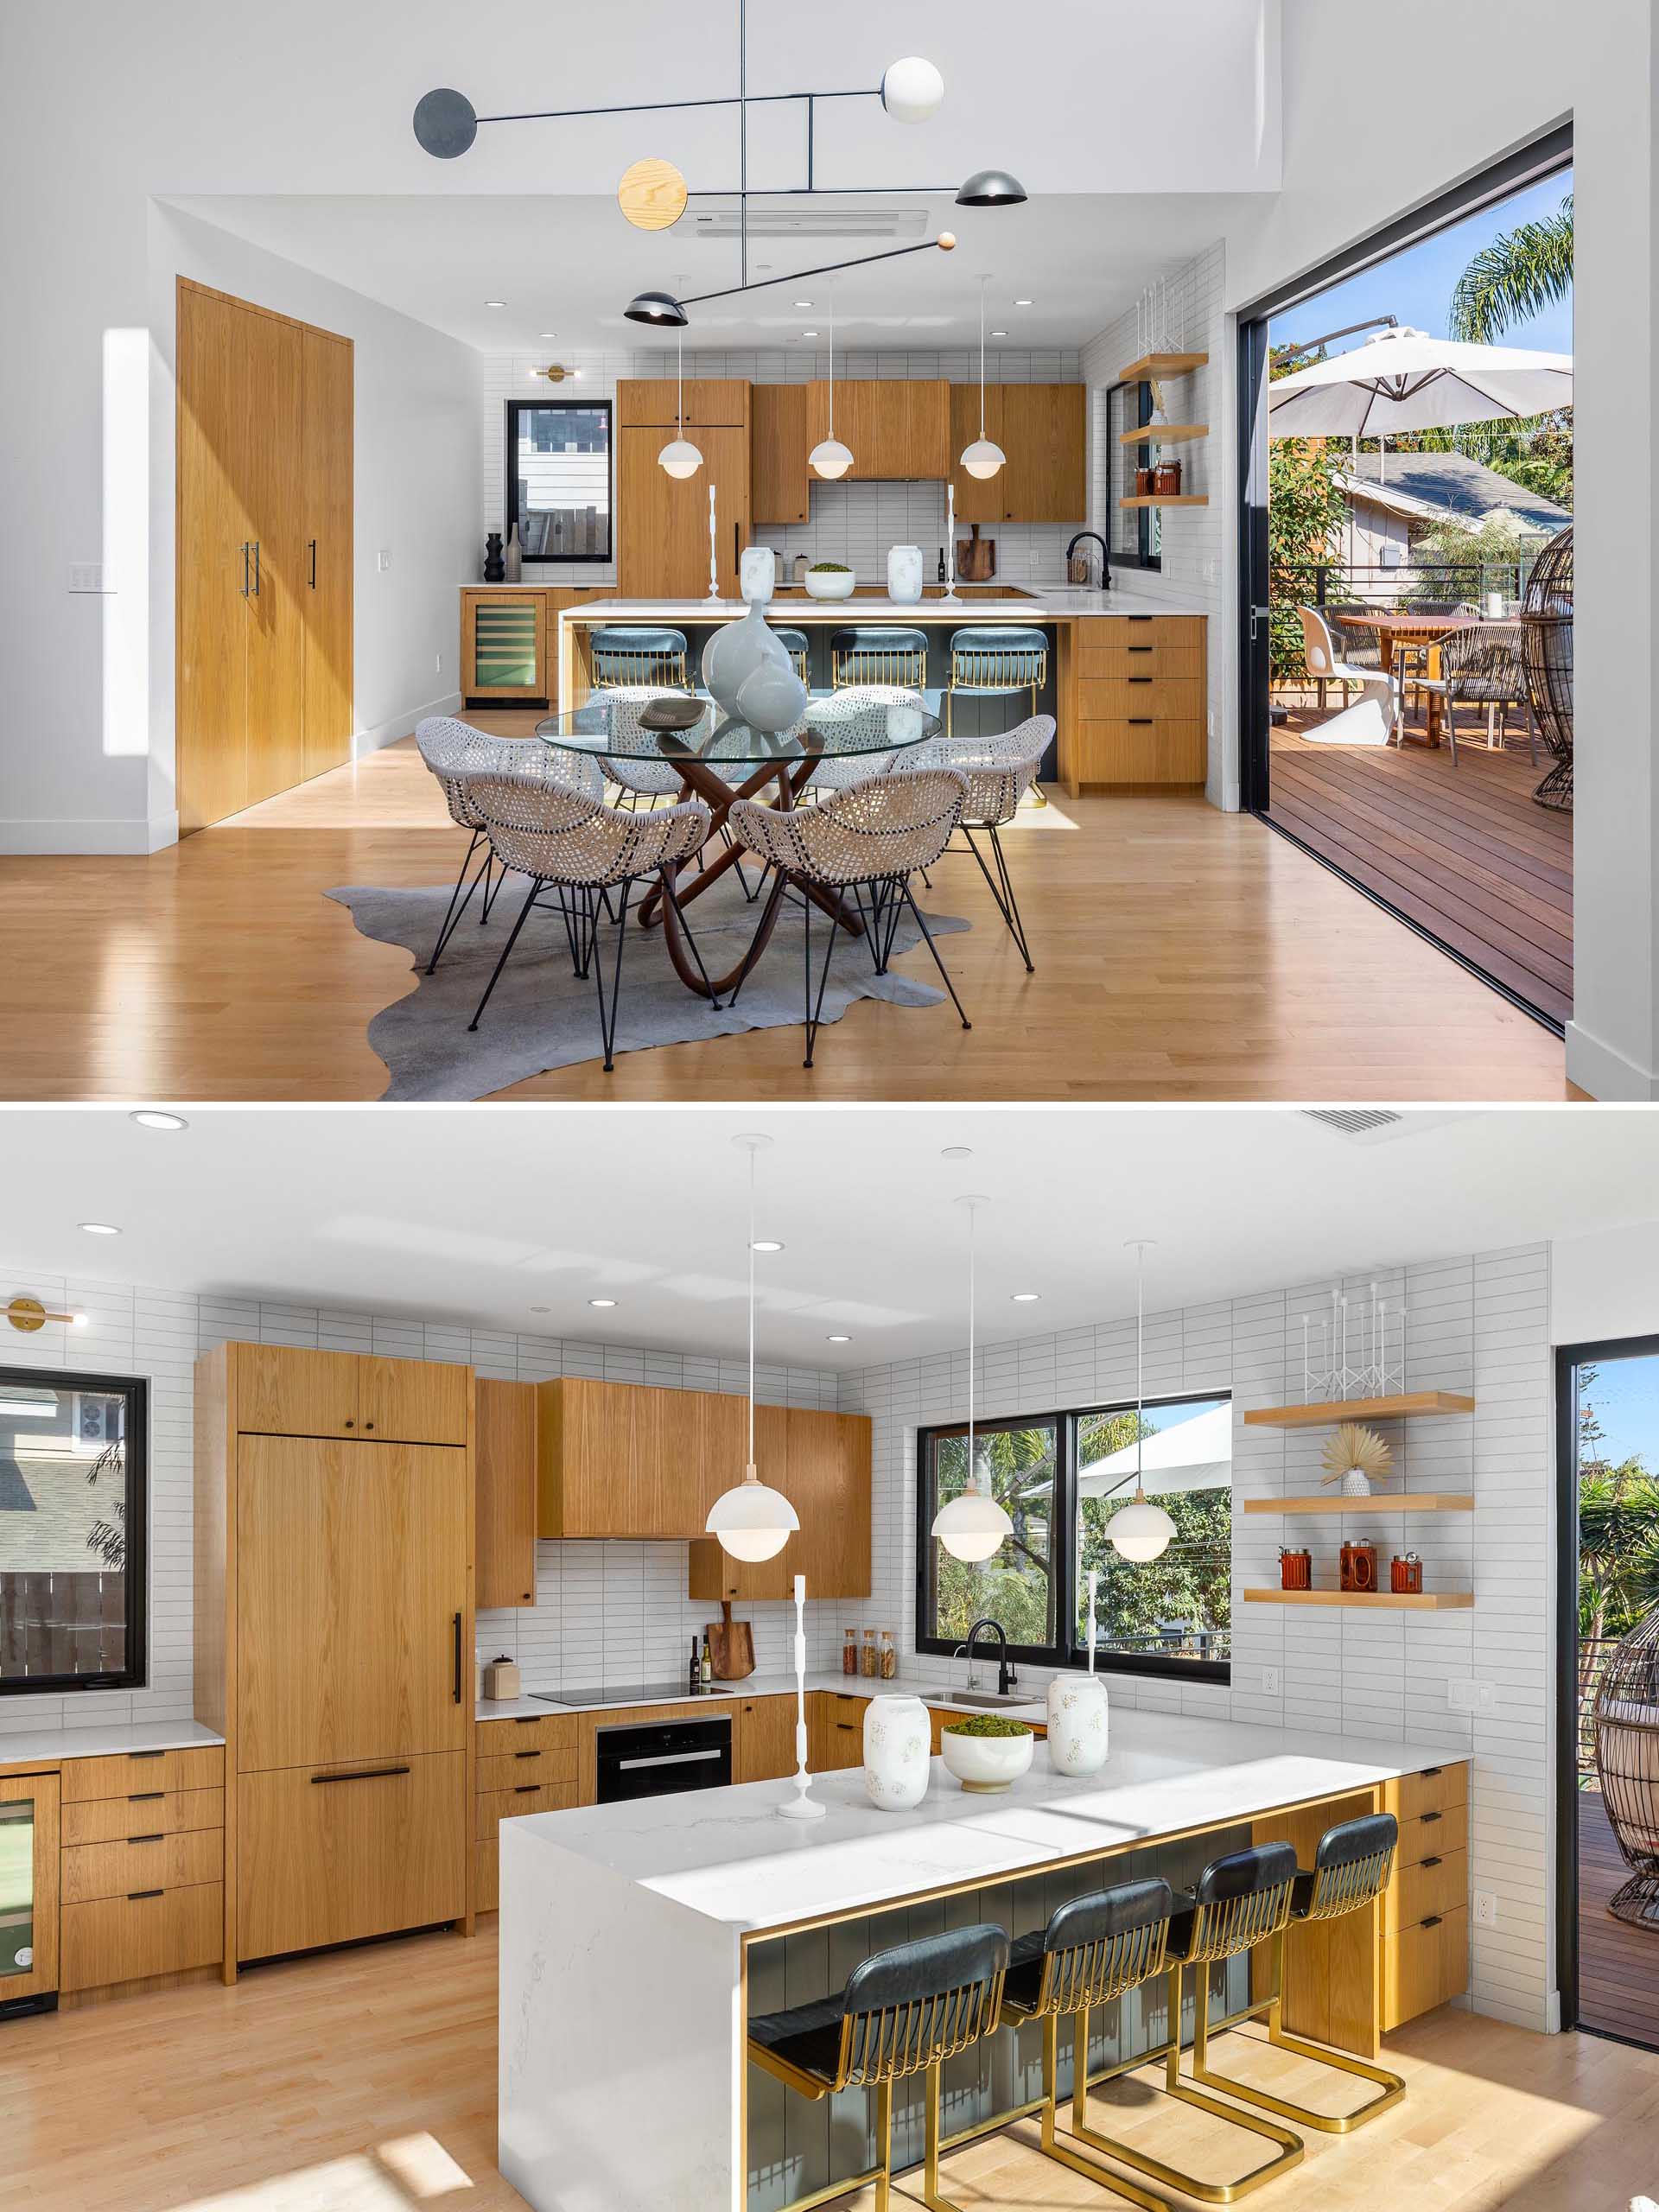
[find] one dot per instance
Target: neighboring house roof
(1438, 485)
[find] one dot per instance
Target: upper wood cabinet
(663, 520)
(781, 445)
(710, 403)
(286, 1390)
(504, 1549)
(898, 429)
(1040, 429)
(821, 1463)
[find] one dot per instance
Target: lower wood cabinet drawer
(517, 1768)
(1434, 1791)
(1433, 1888)
(486, 1877)
(552, 1731)
(1121, 698)
(1422, 1967)
(127, 1773)
(1156, 644)
(156, 1862)
(1151, 748)
(325, 1855)
(129, 1938)
(112, 1819)
(1433, 1834)
(495, 1806)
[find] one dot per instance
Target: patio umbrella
(1193, 1454)
(1404, 380)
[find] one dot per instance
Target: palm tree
(1521, 272)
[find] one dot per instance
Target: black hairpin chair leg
(921, 924)
(1002, 889)
(524, 916)
(457, 902)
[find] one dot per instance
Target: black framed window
(72, 1518)
(558, 475)
(1061, 1477)
(1136, 533)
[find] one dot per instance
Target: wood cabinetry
(505, 1548)
(709, 402)
(264, 528)
(112, 1940)
(763, 1739)
(530, 1764)
(821, 1462)
(1041, 431)
(333, 1614)
(898, 430)
(836, 1731)
(781, 480)
(663, 520)
(1133, 701)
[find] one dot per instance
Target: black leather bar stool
(904, 2012)
(1350, 1868)
(1093, 1949)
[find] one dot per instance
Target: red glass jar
(1358, 1568)
(1296, 1570)
(1406, 1574)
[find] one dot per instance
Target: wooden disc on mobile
(652, 195)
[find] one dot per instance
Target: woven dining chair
(582, 853)
(869, 840)
(1000, 771)
(455, 753)
(1481, 666)
(859, 709)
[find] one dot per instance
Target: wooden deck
(1618, 1966)
(1462, 852)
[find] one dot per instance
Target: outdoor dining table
(1400, 626)
(720, 759)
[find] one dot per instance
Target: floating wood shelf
(1326, 1501)
(1151, 366)
(1420, 1601)
(1163, 434)
(1179, 499)
(1401, 1408)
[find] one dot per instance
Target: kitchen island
(635, 1936)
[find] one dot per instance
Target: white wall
(614, 1612)
(1480, 1325)
(1606, 1285)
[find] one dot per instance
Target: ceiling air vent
(820, 223)
(1379, 1124)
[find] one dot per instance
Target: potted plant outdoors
(830, 579)
(987, 1751)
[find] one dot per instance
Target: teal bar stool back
(904, 2012)
(996, 658)
(628, 655)
(794, 643)
(879, 652)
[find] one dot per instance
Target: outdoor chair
(1481, 666)
(1372, 719)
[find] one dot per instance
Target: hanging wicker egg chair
(1627, 1760)
(1547, 653)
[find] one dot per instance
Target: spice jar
(849, 1652)
(1358, 1568)
(1296, 1570)
(1406, 1574)
(889, 1655)
(871, 1663)
(1143, 483)
(1167, 480)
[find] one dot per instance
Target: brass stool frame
(627, 665)
(905, 665)
(995, 674)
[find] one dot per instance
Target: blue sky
(1626, 1395)
(1416, 286)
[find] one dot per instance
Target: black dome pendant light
(991, 188)
(660, 309)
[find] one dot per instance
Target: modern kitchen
(845, 1643)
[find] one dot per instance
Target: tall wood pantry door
(663, 550)
(264, 534)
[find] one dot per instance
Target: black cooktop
(621, 1694)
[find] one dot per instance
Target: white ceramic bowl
(986, 1762)
(832, 585)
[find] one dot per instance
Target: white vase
(905, 574)
(1355, 1483)
(1077, 1723)
(757, 572)
(898, 1750)
(747, 671)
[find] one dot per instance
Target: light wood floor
(365, 2082)
(1181, 954)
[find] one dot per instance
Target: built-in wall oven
(663, 1756)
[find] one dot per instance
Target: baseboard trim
(21, 836)
(1604, 1073)
(389, 732)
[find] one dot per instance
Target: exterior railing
(1295, 584)
(1594, 1652)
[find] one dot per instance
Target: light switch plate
(85, 575)
(1269, 1681)
(384, 562)
(1470, 1697)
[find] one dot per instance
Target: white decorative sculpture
(801, 1807)
(897, 1752)
(746, 670)
(1077, 1712)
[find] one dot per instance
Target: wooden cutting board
(731, 1646)
(975, 556)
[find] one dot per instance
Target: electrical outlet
(1212, 721)
(85, 575)
(1470, 1697)
(1269, 1681)
(1485, 1908)
(386, 559)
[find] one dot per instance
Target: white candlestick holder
(800, 1807)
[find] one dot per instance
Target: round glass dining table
(720, 759)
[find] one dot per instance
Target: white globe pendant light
(830, 458)
(751, 1520)
(679, 457)
(974, 1526)
(1139, 1530)
(984, 456)
(912, 89)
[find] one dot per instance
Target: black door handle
(1140, 722)
(256, 568)
(314, 563)
(157, 1838)
(247, 549)
(457, 1658)
(363, 1774)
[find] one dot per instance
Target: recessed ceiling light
(549, 333)
(803, 303)
(808, 333)
(495, 303)
(999, 333)
(957, 1152)
(1022, 303)
(151, 1117)
(765, 1244)
(99, 1228)
(541, 1309)
(602, 1301)
(1026, 1297)
(837, 1340)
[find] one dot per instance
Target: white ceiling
(571, 263)
(484, 1215)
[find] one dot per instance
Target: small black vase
(495, 568)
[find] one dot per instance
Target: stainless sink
(982, 1697)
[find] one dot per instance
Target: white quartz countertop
(931, 1691)
(1037, 605)
(725, 1855)
(45, 1746)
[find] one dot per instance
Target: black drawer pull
(1430, 1862)
(1139, 649)
(143, 1797)
(525, 1789)
(133, 1896)
(157, 1838)
(1141, 679)
(363, 1774)
(457, 1694)
(526, 1755)
(1140, 618)
(1426, 1817)
(146, 1755)
(1140, 722)
(525, 1720)
(1427, 1770)
(1433, 1920)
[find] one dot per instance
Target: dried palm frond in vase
(1354, 1457)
